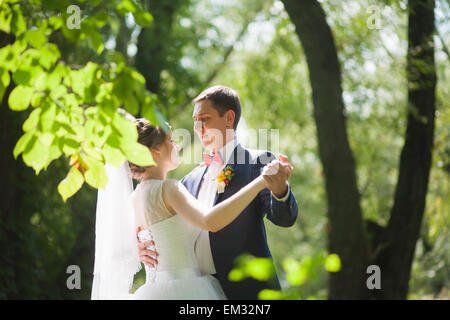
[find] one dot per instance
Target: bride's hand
(276, 174)
(148, 257)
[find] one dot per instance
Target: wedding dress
(177, 275)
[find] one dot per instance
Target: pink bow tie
(209, 159)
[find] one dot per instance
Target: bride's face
(169, 153)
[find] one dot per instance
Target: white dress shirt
(206, 195)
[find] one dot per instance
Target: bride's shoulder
(173, 191)
(173, 187)
(170, 183)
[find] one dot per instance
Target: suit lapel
(198, 181)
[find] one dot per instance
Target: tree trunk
(346, 233)
(403, 229)
(153, 42)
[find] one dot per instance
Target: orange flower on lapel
(224, 178)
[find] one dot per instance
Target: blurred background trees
(339, 81)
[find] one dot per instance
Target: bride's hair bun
(150, 136)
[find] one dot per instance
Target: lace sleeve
(155, 210)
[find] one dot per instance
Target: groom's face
(209, 125)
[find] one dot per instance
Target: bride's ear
(155, 150)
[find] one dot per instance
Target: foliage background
(252, 47)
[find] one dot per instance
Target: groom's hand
(148, 257)
(276, 174)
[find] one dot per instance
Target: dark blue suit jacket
(246, 234)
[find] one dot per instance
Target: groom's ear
(229, 118)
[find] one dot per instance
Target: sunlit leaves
(96, 173)
(5, 18)
(37, 156)
(258, 268)
(142, 17)
(11, 19)
(298, 273)
(71, 145)
(49, 55)
(75, 107)
(112, 155)
(4, 81)
(22, 143)
(47, 117)
(20, 98)
(71, 184)
(36, 38)
(18, 24)
(137, 153)
(333, 263)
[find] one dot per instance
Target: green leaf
(50, 54)
(22, 143)
(22, 76)
(37, 99)
(4, 77)
(297, 278)
(96, 41)
(77, 81)
(137, 76)
(148, 112)
(4, 81)
(37, 157)
(162, 122)
(18, 25)
(131, 103)
(48, 117)
(56, 22)
(36, 38)
(55, 151)
(46, 138)
(236, 275)
(5, 18)
(143, 18)
(333, 263)
(20, 97)
(70, 146)
(113, 156)
(126, 6)
(71, 184)
(58, 91)
(268, 294)
(137, 153)
(260, 268)
(124, 128)
(96, 174)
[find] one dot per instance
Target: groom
(216, 115)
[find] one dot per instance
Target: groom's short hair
(223, 99)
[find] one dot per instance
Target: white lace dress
(177, 276)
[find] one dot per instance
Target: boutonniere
(224, 178)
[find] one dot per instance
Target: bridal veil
(116, 252)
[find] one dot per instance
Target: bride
(166, 213)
